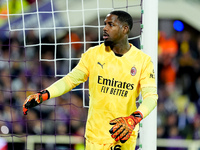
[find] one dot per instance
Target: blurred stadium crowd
(179, 86)
(21, 73)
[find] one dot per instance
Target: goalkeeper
(117, 73)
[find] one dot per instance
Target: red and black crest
(133, 71)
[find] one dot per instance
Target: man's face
(112, 32)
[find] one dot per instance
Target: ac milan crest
(133, 71)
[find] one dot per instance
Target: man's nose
(105, 28)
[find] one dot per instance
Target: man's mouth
(105, 36)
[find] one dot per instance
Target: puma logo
(100, 64)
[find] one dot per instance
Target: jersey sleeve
(147, 78)
(148, 88)
(150, 98)
(67, 83)
(77, 76)
(84, 63)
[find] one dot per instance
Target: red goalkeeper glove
(34, 100)
(124, 126)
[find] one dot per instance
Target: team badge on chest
(133, 71)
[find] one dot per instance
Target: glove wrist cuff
(44, 94)
(137, 114)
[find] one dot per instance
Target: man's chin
(108, 43)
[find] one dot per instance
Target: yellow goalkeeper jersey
(114, 84)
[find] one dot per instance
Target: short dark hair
(123, 17)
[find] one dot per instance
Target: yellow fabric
(149, 95)
(114, 84)
(68, 82)
(112, 88)
(128, 145)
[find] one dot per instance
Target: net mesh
(40, 42)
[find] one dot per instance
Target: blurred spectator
(187, 60)
(196, 127)
(197, 85)
(34, 125)
(167, 50)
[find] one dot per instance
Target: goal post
(149, 40)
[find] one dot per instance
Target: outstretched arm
(60, 87)
(67, 83)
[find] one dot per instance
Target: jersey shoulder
(92, 54)
(96, 49)
(139, 54)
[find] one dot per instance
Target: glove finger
(125, 138)
(31, 101)
(120, 135)
(123, 134)
(116, 127)
(111, 131)
(28, 104)
(28, 100)
(25, 111)
(117, 131)
(114, 121)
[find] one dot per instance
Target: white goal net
(41, 41)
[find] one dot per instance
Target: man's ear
(126, 29)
